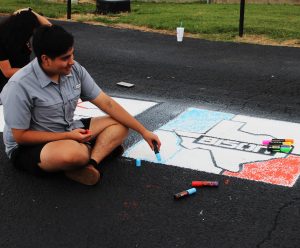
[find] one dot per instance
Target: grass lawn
(263, 22)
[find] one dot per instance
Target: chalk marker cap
(286, 149)
(266, 142)
(185, 193)
(192, 191)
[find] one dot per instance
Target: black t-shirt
(17, 59)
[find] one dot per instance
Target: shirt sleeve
(16, 106)
(89, 89)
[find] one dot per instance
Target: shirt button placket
(65, 101)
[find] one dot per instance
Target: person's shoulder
(78, 68)
(18, 84)
(76, 63)
(24, 74)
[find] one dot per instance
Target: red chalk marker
(205, 183)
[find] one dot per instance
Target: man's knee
(67, 153)
(124, 130)
(76, 157)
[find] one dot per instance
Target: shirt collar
(42, 76)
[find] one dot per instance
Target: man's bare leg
(71, 157)
(109, 134)
(108, 139)
(64, 155)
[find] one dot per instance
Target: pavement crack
(268, 237)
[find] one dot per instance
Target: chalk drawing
(226, 144)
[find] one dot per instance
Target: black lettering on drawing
(242, 146)
(205, 140)
(232, 144)
(227, 143)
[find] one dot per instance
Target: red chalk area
(281, 171)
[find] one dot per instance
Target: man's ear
(45, 60)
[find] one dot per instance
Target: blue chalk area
(196, 120)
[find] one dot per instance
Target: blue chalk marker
(185, 193)
(156, 151)
(138, 162)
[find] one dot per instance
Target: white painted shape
(195, 159)
(229, 129)
(134, 107)
(231, 160)
(187, 134)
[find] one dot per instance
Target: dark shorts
(28, 157)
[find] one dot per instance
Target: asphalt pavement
(134, 207)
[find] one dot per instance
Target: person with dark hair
(15, 48)
(41, 135)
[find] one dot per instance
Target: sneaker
(88, 175)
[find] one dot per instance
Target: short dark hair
(52, 41)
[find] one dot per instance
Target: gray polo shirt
(32, 101)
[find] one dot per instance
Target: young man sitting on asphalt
(39, 101)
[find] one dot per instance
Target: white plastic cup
(180, 32)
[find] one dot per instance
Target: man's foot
(87, 175)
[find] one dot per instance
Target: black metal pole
(69, 9)
(242, 14)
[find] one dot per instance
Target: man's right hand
(81, 135)
(30, 137)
